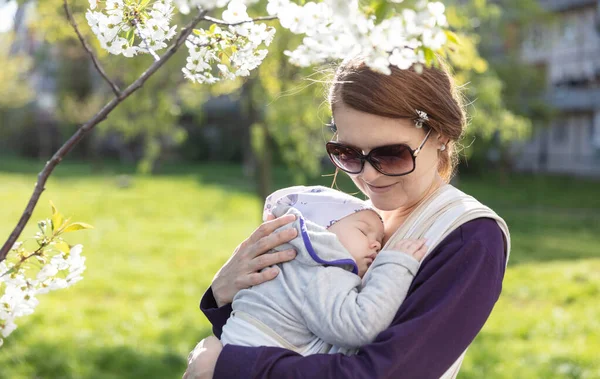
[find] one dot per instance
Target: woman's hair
(400, 94)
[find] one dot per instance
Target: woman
(404, 170)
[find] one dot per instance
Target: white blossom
(332, 29)
(273, 6)
(236, 11)
(242, 43)
(18, 292)
(150, 22)
(293, 17)
(434, 39)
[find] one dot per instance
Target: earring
(443, 147)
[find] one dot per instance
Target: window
(559, 132)
(595, 132)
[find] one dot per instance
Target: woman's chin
(386, 202)
(383, 205)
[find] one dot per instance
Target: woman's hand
(241, 271)
(203, 359)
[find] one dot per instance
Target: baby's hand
(414, 248)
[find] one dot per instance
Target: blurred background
(174, 179)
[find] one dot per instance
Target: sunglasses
(390, 160)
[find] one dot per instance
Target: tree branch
(221, 22)
(87, 48)
(88, 126)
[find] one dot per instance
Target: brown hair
(400, 94)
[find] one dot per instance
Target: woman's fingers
(268, 227)
(240, 271)
(257, 278)
(271, 241)
(266, 260)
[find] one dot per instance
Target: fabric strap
(435, 218)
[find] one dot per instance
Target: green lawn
(159, 240)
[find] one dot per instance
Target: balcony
(563, 5)
(574, 99)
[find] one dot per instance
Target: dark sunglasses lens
(345, 158)
(393, 159)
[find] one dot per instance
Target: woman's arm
(216, 315)
(447, 305)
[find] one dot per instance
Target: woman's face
(365, 132)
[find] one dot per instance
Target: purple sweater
(447, 304)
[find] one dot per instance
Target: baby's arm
(340, 312)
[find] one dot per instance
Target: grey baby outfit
(318, 301)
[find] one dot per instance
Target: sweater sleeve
(341, 313)
(447, 305)
(217, 316)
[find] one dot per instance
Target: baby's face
(361, 234)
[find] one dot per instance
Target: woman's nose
(369, 173)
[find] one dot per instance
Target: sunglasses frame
(367, 158)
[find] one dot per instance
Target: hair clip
(332, 126)
(421, 118)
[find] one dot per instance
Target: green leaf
(57, 221)
(381, 8)
(212, 28)
(429, 55)
(197, 32)
(54, 210)
(452, 37)
(76, 226)
(62, 246)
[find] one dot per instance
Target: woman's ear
(442, 139)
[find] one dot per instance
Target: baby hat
(321, 205)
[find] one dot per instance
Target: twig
(88, 126)
(139, 30)
(87, 48)
(221, 22)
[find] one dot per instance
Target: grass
(159, 240)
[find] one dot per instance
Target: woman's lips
(379, 189)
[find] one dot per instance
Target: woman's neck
(394, 219)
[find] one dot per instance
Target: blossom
(259, 33)
(437, 11)
(273, 6)
(404, 58)
(236, 11)
(332, 29)
(18, 292)
(292, 17)
(434, 39)
(150, 21)
(243, 43)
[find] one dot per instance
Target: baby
(318, 303)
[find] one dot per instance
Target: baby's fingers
(409, 246)
(420, 253)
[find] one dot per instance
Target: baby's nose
(376, 245)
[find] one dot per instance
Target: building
(567, 48)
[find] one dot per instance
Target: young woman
(395, 138)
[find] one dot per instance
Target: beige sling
(436, 217)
